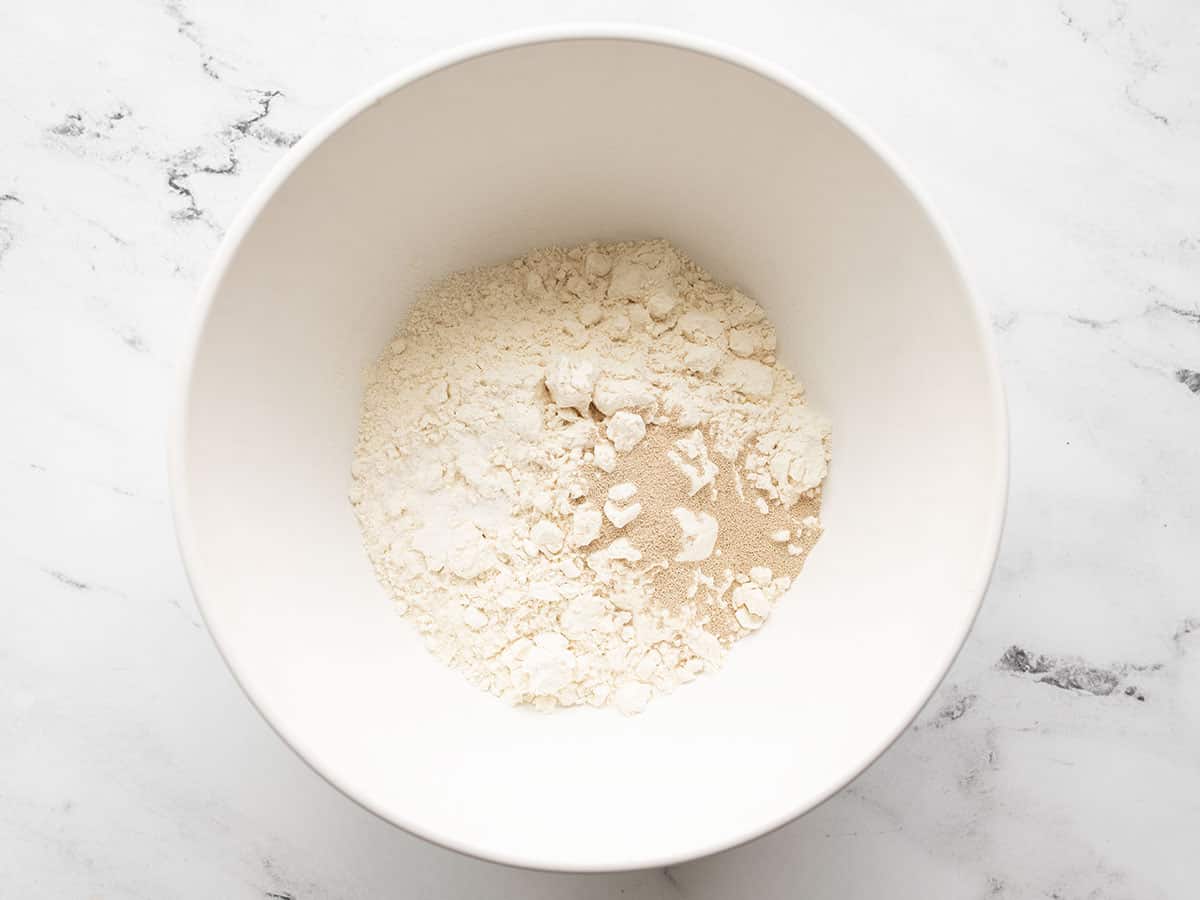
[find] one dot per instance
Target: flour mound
(584, 474)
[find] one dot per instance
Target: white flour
(508, 396)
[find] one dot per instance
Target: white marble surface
(1062, 144)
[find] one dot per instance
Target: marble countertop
(1060, 759)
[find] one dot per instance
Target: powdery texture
(584, 474)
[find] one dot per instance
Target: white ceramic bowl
(554, 138)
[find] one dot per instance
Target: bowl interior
(551, 143)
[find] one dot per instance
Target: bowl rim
(261, 196)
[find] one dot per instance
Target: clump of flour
(584, 474)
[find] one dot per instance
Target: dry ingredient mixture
(584, 474)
